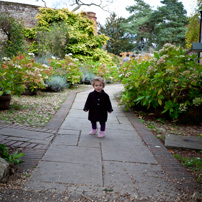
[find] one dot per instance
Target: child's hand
(85, 110)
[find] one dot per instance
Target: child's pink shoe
(93, 132)
(101, 134)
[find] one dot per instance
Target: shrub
(108, 72)
(13, 30)
(43, 59)
(62, 32)
(55, 40)
(169, 82)
(67, 68)
(25, 72)
(87, 76)
(57, 83)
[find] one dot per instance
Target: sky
(117, 6)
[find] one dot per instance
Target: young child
(98, 104)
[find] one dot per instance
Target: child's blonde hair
(98, 79)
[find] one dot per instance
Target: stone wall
(24, 12)
(27, 14)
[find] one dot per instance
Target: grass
(192, 163)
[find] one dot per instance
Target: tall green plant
(55, 40)
(15, 38)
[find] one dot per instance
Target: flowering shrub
(23, 72)
(108, 72)
(170, 82)
(68, 68)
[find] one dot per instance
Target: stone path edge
(57, 120)
(182, 179)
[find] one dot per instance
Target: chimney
(92, 16)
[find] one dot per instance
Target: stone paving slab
(74, 125)
(78, 114)
(76, 173)
(123, 120)
(73, 154)
(24, 133)
(38, 186)
(140, 179)
(87, 140)
(183, 142)
(127, 151)
(18, 138)
(74, 120)
(68, 140)
(69, 132)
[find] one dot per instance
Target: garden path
(121, 162)
(129, 161)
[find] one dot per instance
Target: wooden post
(200, 32)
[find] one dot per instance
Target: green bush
(62, 32)
(13, 30)
(170, 82)
(106, 71)
(67, 68)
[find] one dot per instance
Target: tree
(192, 33)
(139, 23)
(170, 23)
(15, 38)
(119, 41)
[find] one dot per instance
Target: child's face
(98, 86)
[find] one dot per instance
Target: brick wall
(24, 12)
(27, 13)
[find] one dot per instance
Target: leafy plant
(80, 39)
(22, 72)
(87, 76)
(57, 83)
(15, 158)
(15, 38)
(67, 68)
(108, 72)
(10, 80)
(170, 82)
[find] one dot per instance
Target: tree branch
(43, 2)
(79, 3)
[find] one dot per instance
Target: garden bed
(36, 110)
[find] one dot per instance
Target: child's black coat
(98, 105)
